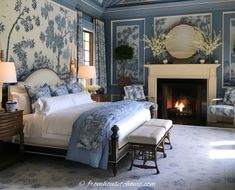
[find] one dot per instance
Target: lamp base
(4, 95)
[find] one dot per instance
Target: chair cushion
(229, 96)
(222, 110)
(165, 123)
(134, 92)
(147, 135)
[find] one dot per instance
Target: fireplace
(191, 72)
(182, 100)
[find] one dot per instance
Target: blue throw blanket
(91, 131)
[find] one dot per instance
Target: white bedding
(54, 130)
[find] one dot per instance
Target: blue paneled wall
(149, 12)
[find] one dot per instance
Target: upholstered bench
(165, 123)
(147, 140)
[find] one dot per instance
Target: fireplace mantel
(182, 71)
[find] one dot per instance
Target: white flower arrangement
(157, 43)
(92, 88)
(207, 41)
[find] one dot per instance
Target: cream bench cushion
(147, 135)
(165, 123)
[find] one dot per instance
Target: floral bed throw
(91, 131)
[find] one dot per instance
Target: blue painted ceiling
(124, 3)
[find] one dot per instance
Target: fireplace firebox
(182, 100)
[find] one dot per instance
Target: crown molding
(170, 8)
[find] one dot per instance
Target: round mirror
(180, 44)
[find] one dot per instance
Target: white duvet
(54, 118)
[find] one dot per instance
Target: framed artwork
(228, 73)
(166, 23)
(128, 32)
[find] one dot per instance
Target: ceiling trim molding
(180, 5)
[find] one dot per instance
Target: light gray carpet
(202, 158)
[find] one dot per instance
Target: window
(87, 48)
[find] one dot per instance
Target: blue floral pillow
(59, 90)
(229, 96)
(135, 92)
(74, 87)
(37, 92)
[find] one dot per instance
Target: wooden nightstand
(101, 97)
(11, 124)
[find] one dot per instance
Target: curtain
(79, 39)
(100, 56)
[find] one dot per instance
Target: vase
(210, 58)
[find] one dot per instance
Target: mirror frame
(176, 39)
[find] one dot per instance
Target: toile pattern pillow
(36, 92)
(135, 92)
(229, 96)
(74, 87)
(58, 90)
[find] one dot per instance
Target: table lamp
(86, 72)
(7, 75)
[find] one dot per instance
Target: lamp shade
(7, 72)
(86, 72)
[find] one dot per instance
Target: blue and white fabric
(222, 110)
(91, 132)
(229, 96)
(100, 57)
(74, 87)
(58, 90)
(134, 92)
(80, 38)
(37, 92)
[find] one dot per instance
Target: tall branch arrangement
(207, 41)
(157, 43)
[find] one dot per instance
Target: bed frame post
(151, 108)
(114, 151)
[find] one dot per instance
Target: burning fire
(179, 106)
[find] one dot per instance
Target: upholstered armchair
(136, 92)
(223, 109)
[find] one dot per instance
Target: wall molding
(168, 8)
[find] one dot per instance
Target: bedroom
(57, 35)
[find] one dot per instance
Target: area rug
(202, 158)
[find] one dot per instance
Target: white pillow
(50, 105)
(82, 98)
(22, 100)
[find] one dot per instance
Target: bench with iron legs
(149, 139)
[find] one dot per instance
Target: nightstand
(101, 97)
(11, 124)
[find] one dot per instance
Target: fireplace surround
(206, 72)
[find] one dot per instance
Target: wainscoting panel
(228, 49)
(128, 32)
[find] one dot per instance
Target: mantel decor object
(157, 43)
(207, 42)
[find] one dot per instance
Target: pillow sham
(48, 105)
(82, 98)
(22, 100)
(36, 92)
(58, 90)
(74, 87)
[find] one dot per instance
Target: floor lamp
(7, 75)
